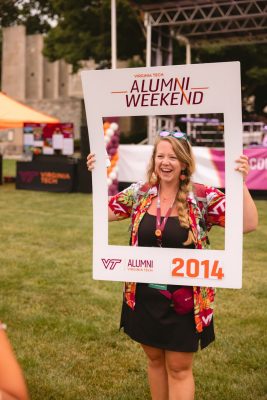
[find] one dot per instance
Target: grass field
(64, 326)
(9, 168)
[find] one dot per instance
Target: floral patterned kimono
(206, 207)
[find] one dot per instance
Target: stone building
(49, 87)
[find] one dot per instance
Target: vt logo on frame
(110, 263)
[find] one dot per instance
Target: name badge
(157, 286)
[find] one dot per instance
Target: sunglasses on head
(176, 134)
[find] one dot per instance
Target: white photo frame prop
(167, 90)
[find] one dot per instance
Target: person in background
(169, 210)
(12, 383)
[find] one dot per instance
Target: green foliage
(252, 59)
(258, 74)
(136, 62)
(8, 12)
(84, 31)
(33, 14)
(82, 28)
(9, 167)
(146, 2)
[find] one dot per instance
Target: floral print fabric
(206, 207)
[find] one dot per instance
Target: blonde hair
(184, 154)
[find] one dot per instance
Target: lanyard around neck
(161, 225)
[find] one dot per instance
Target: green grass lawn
(9, 167)
(64, 326)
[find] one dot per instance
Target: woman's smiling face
(167, 166)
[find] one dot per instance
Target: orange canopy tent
(13, 114)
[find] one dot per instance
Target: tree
(35, 15)
(84, 31)
(77, 30)
(253, 69)
(8, 13)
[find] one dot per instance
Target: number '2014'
(193, 268)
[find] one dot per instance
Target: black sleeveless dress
(154, 322)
